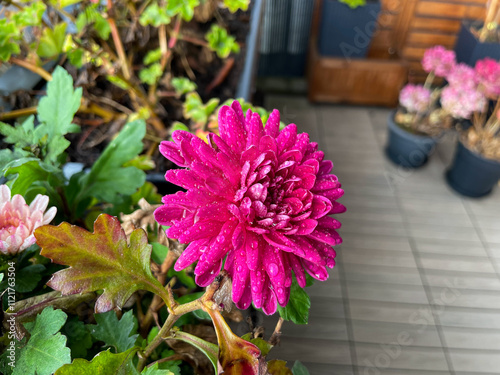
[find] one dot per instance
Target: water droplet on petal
(273, 269)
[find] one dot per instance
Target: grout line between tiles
(496, 265)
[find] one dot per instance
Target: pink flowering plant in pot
(252, 228)
(420, 112)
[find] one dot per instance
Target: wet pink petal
(257, 199)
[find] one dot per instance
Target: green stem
(178, 311)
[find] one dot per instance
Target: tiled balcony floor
(416, 289)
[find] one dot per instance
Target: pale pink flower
(462, 75)
(415, 98)
(438, 60)
(462, 102)
(18, 221)
(257, 204)
(488, 72)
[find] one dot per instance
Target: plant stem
(490, 16)
(177, 312)
(429, 80)
(17, 113)
(118, 42)
(31, 67)
(193, 40)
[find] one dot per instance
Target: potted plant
(347, 26)
(414, 128)
(476, 167)
(478, 40)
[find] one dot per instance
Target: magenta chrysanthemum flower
(415, 98)
(258, 198)
(438, 60)
(18, 220)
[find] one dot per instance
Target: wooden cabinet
(406, 28)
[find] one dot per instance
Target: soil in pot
(407, 149)
(471, 174)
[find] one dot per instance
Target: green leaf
(159, 252)
(92, 16)
(117, 81)
(51, 42)
(152, 56)
(46, 349)
(193, 108)
(57, 108)
(299, 369)
(9, 37)
(234, 5)
(183, 7)
(30, 171)
(210, 350)
(297, 309)
(114, 332)
(154, 15)
(353, 4)
(20, 135)
(99, 260)
(147, 191)
(79, 339)
(178, 126)
(107, 178)
(30, 15)
(183, 85)
(104, 363)
(28, 278)
(154, 370)
(142, 162)
(220, 42)
(278, 367)
(151, 74)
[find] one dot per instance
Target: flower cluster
(438, 60)
(257, 203)
(415, 98)
(462, 102)
(18, 220)
(462, 75)
(488, 75)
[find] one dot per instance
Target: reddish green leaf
(99, 260)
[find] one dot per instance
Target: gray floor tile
(400, 357)
(390, 333)
(312, 350)
(461, 280)
(453, 263)
(452, 316)
(382, 274)
(478, 299)
(370, 291)
(379, 258)
(475, 339)
(476, 362)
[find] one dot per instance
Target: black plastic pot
(471, 174)
(406, 149)
(346, 32)
(469, 49)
